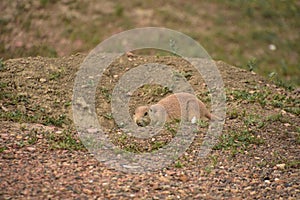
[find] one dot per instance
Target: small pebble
(30, 148)
(43, 80)
(281, 166)
(272, 47)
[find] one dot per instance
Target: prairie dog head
(157, 114)
(141, 116)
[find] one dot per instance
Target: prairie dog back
(191, 107)
(175, 106)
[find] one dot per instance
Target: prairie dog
(169, 108)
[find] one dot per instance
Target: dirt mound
(41, 156)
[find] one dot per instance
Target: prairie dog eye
(146, 113)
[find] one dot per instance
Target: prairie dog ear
(156, 108)
(157, 114)
(153, 109)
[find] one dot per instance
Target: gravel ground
(41, 156)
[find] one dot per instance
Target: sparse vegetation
(178, 164)
(64, 140)
(2, 66)
(106, 93)
(251, 97)
(2, 149)
(108, 116)
(202, 123)
(172, 127)
(270, 45)
(257, 156)
(158, 144)
(56, 121)
(260, 136)
(32, 137)
(238, 142)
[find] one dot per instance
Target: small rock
(19, 137)
(87, 191)
(248, 188)
(92, 130)
(163, 179)
(283, 111)
(4, 136)
(21, 108)
(4, 109)
(65, 164)
(104, 184)
(272, 47)
(43, 80)
(58, 132)
(286, 124)
(31, 149)
(129, 54)
(281, 166)
(8, 156)
(183, 178)
(278, 188)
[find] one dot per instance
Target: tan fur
(169, 108)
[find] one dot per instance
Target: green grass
(178, 164)
(260, 24)
(265, 97)
(202, 123)
(258, 96)
(157, 145)
(237, 141)
(2, 149)
(55, 76)
(293, 164)
(106, 93)
(108, 116)
(172, 127)
(56, 121)
(132, 148)
(2, 66)
(32, 137)
(276, 117)
(119, 10)
(21, 117)
(64, 140)
(45, 3)
(240, 34)
(254, 121)
(233, 114)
